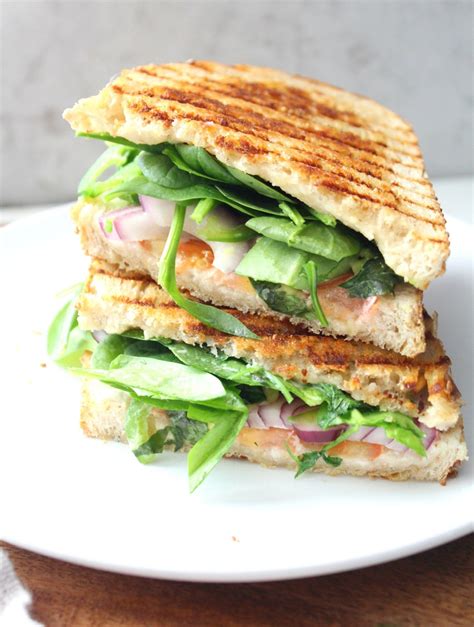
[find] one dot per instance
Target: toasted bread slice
(103, 410)
(392, 321)
(117, 301)
(340, 153)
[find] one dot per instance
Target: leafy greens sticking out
(211, 316)
(183, 173)
(66, 342)
(306, 461)
(146, 443)
(206, 396)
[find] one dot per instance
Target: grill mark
(356, 141)
(243, 146)
(356, 154)
(282, 99)
(373, 171)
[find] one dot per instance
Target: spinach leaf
(108, 349)
(185, 431)
(206, 453)
(202, 208)
(228, 368)
(374, 279)
(146, 446)
(66, 342)
(281, 298)
(336, 403)
(117, 157)
(292, 212)
(257, 185)
(138, 432)
(199, 162)
(312, 275)
(149, 450)
(315, 238)
(306, 461)
(211, 316)
(161, 379)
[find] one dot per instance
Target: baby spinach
(66, 342)
(315, 238)
(207, 452)
(374, 279)
(281, 298)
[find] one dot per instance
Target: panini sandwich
(274, 193)
(255, 290)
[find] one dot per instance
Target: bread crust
(103, 412)
(338, 152)
(117, 301)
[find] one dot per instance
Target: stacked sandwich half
(259, 244)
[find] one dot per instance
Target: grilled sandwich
(264, 192)
(305, 402)
(258, 255)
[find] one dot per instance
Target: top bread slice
(340, 153)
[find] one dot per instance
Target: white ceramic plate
(91, 503)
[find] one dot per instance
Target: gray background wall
(413, 55)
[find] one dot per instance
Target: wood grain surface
(432, 588)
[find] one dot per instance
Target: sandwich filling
(211, 399)
(299, 261)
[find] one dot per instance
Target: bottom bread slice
(103, 411)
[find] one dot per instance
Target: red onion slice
(378, 436)
(130, 224)
(254, 419)
(99, 336)
(360, 434)
(106, 222)
(430, 435)
(290, 409)
(311, 433)
(270, 414)
(160, 211)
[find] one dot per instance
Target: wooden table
(432, 588)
